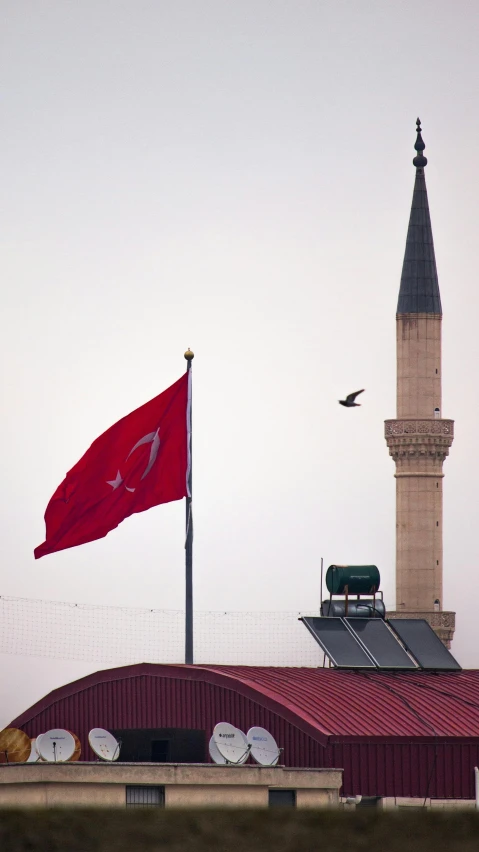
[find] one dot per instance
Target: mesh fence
(123, 635)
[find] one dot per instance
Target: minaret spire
(419, 439)
(419, 290)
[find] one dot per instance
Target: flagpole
(189, 355)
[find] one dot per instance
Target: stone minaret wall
(418, 353)
(419, 439)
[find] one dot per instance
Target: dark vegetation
(281, 830)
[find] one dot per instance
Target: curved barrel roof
(323, 703)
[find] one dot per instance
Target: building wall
(44, 794)
(434, 804)
(216, 796)
(413, 768)
(104, 785)
(315, 798)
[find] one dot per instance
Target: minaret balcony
(418, 437)
(433, 427)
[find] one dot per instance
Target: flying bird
(349, 401)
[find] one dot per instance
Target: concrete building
(419, 438)
(86, 785)
(407, 736)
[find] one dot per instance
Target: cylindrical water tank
(360, 579)
(364, 608)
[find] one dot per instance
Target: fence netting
(124, 635)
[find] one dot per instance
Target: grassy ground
(281, 830)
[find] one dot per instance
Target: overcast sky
(235, 177)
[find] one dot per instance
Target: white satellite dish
(104, 744)
(38, 740)
(215, 755)
(263, 746)
(231, 743)
(33, 756)
(56, 746)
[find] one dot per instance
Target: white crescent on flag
(154, 439)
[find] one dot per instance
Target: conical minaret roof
(419, 290)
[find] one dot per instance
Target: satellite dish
(33, 756)
(56, 746)
(38, 740)
(231, 743)
(263, 746)
(15, 746)
(104, 744)
(215, 754)
(76, 754)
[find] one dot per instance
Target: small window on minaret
(437, 413)
(437, 523)
(436, 371)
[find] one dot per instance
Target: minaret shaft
(419, 480)
(418, 349)
(418, 474)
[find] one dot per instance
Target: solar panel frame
(381, 644)
(346, 652)
(431, 654)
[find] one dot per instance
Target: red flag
(138, 463)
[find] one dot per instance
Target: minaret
(419, 439)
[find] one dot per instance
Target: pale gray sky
(235, 177)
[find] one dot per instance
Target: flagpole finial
(189, 355)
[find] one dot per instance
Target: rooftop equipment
(348, 580)
(404, 644)
(352, 579)
(33, 757)
(57, 746)
(77, 752)
(264, 749)
(15, 746)
(423, 643)
(37, 742)
(104, 744)
(361, 608)
(229, 745)
(215, 753)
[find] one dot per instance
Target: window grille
(145, 796)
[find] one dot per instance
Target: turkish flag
(141, 461)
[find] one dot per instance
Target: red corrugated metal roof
(326, 703)
(349, 703)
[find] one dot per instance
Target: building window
(282, 798)
(145, 796)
